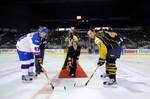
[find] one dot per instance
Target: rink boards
(142, 52)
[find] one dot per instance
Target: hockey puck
(53, 87)
(64, 87)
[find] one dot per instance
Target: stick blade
(79, 85)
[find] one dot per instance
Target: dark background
(24, 14)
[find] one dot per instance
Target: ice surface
(133, 78)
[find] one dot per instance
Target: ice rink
(133, 78)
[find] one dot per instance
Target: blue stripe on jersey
(24, 56)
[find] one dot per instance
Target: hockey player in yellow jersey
(109, 44)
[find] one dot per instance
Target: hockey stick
(90, 77)
(46, 75)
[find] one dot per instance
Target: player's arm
(102, 51)
(69, 55)
(78, 52)
(35, 46)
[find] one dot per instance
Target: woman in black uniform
(72, 37)
(73, 57)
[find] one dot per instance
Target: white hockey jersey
(29, 43)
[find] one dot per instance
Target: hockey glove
(38, 58)
(69, 64)
(100, 62)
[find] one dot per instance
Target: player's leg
(104, 75)
(73, 68)
(111, 65)
(111, 69)
(37, 64)
(31, 68)
(25, 64)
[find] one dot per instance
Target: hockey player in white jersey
(28, 49)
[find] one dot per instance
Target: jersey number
(36, 48)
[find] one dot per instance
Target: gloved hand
(69, 64)
(100, 62)
(38, 58)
